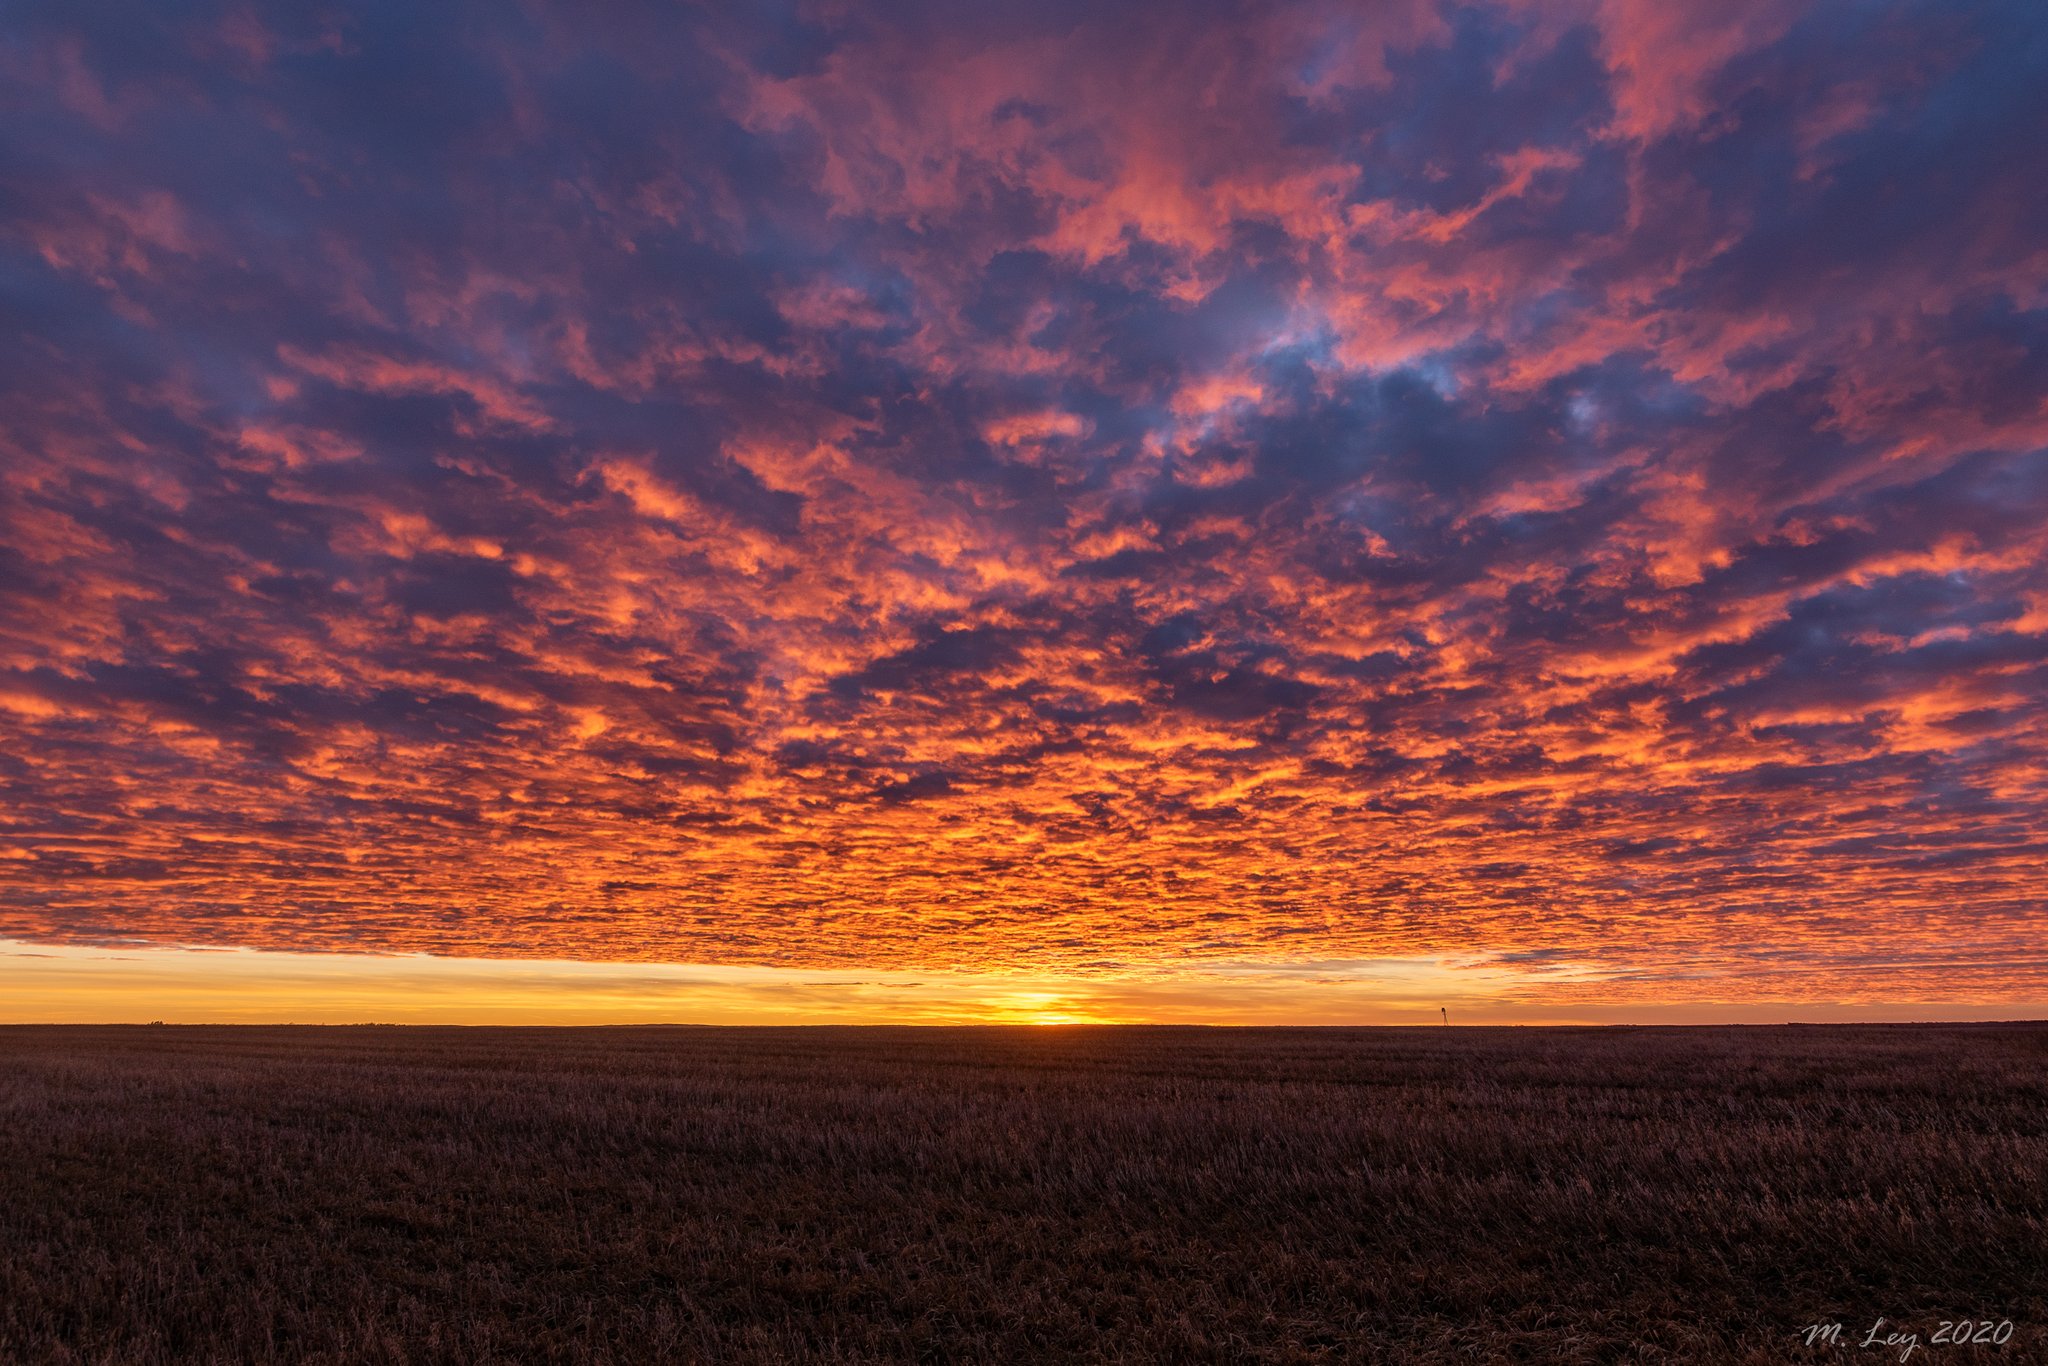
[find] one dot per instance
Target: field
(1011, 1195)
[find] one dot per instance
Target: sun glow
(137, 984)
(1041, 1008)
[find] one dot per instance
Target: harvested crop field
(402, 1194)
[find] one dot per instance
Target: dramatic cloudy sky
(1558, 488)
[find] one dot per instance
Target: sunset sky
(1050, 511)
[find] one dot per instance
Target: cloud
(1056, 486)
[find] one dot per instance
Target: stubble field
(1013, 1195)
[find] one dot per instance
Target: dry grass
(381, 1194)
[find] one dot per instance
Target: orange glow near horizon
(1077, 517)
(40, 984)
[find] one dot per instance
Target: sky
(1206, 511)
